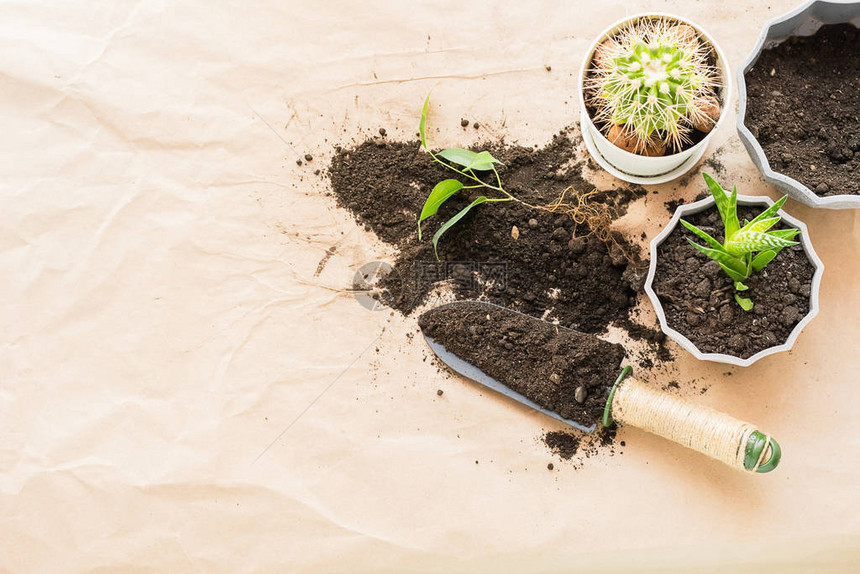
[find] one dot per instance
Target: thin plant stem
(471, 176)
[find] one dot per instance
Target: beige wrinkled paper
(167, 313)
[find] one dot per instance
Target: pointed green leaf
(751, 241)
(483, 161)
(440, 194)
(422, 125)
(450, 223)
(715, 188)
(785, 233)
(740, 286)
(704, 236)
(726, 205)
(459, 156)
(760, 225)
(720, 197)
(770, 211)
(762, 259)
(746, 304)
(721, 257)
(732, 224)
(734, 275)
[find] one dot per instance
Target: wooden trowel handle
(722, 437)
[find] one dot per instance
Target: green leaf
(740, 286)
(481, 161)
(457, 155)
(721, 257)
(786, 233)
(704, 236)
(751, 241)
(761, 225)
(422, 125)
(762, 259)
(746, 304)
(726, 205)
(732, 224)
(440, 194)
(735, 276)
(770, 211)
(450, 223)
(719, 195)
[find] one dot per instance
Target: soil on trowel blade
(698, 296)
(561, 370)
(804, 97)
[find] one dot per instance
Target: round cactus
(652, 84)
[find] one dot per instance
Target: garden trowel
(476, 355)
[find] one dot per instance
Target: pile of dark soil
(561, 370)
(554, 269)
(698, 297)
(804, 97)
(549, 267)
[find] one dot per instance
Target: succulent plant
(652, 83)
(747, 248)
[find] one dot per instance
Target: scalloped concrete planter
(679, 338)
(636, 168)
(804, 21)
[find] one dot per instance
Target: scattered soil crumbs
(713, 164)
(674, 204)
(563, 371)
(576, 447)
(564, 444)
(549, 267)
(698, 296)
(804, 97)
(654, 339)
(685, 181)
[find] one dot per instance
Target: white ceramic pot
(708, 203)
(636, 168)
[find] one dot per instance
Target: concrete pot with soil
(654, 88)
(799, 95)
(692, 295)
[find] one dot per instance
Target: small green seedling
(595, 215)
(466, 163)
(746, 249)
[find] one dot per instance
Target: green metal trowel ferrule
(756, 445)
(607, 410)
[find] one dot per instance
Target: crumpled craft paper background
(166, 316)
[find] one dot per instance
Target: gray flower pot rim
(802, 21)
(676, 336)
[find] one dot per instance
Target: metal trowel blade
(467, 369)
